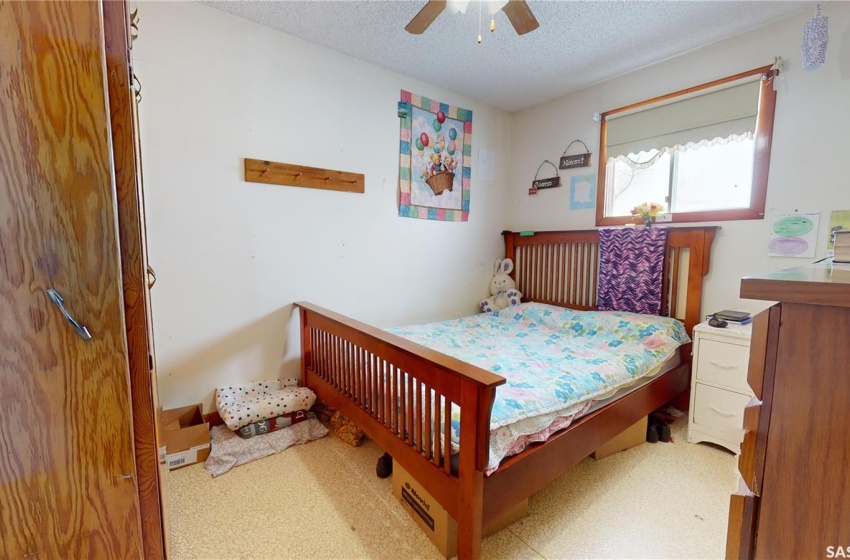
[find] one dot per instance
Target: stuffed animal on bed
(502, 288)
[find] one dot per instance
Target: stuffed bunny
(502, 288)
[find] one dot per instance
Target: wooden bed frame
(401, 393)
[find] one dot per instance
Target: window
(702, 152)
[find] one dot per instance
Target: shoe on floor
(664, 433)
(652, 433)
(384, 468)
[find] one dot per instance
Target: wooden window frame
(762, 140)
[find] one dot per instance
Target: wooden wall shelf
(274, 173)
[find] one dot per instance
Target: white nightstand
(719, 388)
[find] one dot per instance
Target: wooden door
(134, 265)
(67, 477)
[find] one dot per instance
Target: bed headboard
(562, 268)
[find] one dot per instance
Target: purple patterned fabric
(631, 264)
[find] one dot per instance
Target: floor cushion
(240, 405)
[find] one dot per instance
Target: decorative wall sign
(583, 192)
(435, 159)
(575, 160)
(815, 39)
(549, 183)
(793, 235)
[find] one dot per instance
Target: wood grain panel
(134, 266)
(758, 352)
(747, 458)
(274, 173)
(742, 526)
(805, 498)
(817, 284)
(67, 476)
(764, 347)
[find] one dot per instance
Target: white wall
(231, 256)
(810, 164)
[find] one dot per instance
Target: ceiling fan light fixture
(517, 12)
(457, 6)
(496, 5)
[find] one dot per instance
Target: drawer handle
(58, 301)
(722, 412)
(722, 366)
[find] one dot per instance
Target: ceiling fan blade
(520, 16)
(426, 16)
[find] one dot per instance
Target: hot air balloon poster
(435, 163)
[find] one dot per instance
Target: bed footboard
(401, 394)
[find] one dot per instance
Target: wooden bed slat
(435, 456)
(411, 412)
(397, 411)
(447, 437)
(674, 286)
(427, 428)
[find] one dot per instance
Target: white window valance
(645, 159)
(722, 113)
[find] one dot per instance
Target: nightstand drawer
(719, 409)
(723, 363)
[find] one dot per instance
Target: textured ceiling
(577, 44)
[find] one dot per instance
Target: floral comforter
(553, 358)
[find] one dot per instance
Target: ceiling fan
(518, 12)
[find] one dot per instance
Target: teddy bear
(435, 163)
(450, 163)
(502, 288)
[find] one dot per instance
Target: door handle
(134, 26)
(152, 275)
(57, 300)
(137, 88)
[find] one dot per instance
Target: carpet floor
(323, 500)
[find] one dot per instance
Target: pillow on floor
(240, 405)
(273, 424)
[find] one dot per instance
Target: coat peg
(277, 173)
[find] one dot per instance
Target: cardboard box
(434, 520)
(630, 437)
(186, 436)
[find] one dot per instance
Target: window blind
(716, 114)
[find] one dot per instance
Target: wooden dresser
(794, 496)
